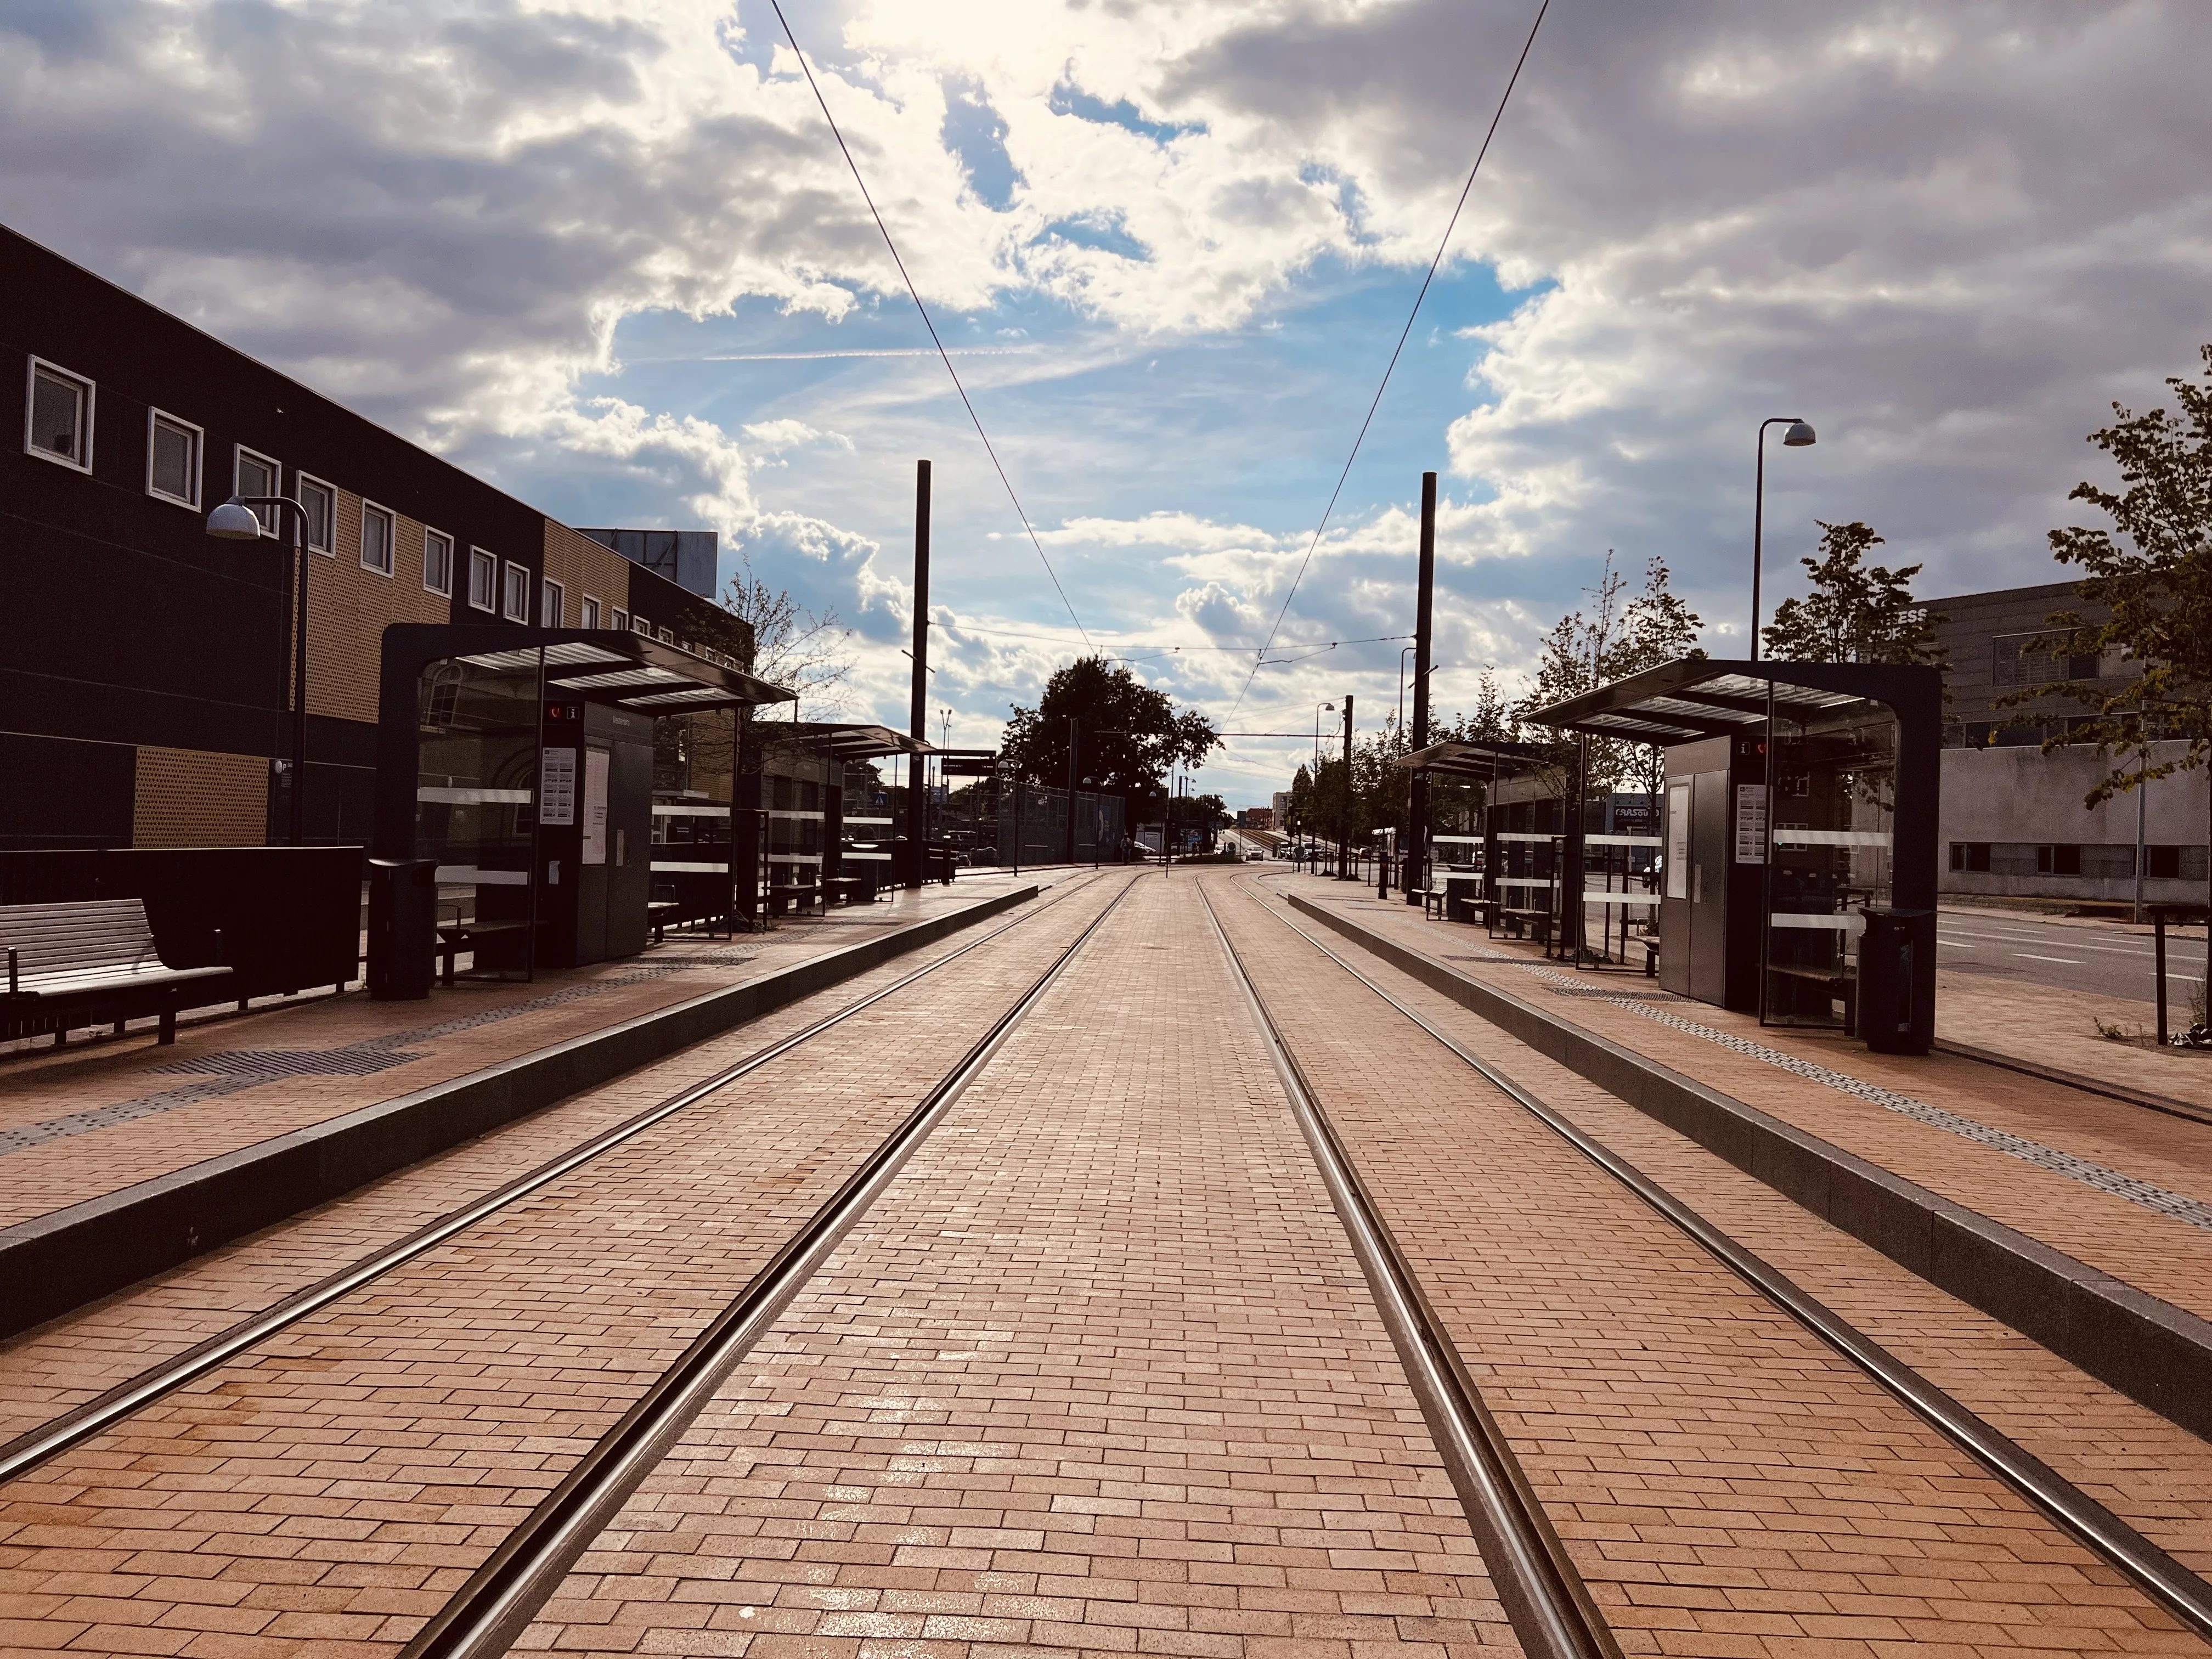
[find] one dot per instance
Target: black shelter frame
(630, 671)
(1752, 704)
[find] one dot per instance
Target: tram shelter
(514, 783)
(1798, 834)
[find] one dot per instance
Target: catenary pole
(917, 826)
(1344, 847)
(1074, 737)
(1417, 803)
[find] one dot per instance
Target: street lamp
(1404, 652)
(1799, 436)
(1318, 708)
(236, 521)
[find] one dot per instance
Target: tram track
(2167, 1582)
(29, 1450)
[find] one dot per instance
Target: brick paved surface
(1098, 1373)
(326, 1491)
(1729, 1484)
(2167, 1257)
(71, 1359)
(42, 1087)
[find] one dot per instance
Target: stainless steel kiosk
(1798, 835)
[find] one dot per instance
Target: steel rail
(80, 1423)
(500, 1598)
(1543, 1594)
(2150, 1569)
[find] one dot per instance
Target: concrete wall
(2017, 796)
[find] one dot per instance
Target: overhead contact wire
(944, 356)
(1404, 334)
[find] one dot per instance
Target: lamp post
(1404, 652)
(236, 521)
(1319, 708)
(1799, 436)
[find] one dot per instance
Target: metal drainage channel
(2150, 1569)
(1543, 1594)
(497, 1603)
(80, 1423)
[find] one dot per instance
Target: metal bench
(455, 936)
(89, 961)
(1537, 922)
(1649, 944)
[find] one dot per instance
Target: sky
(609, 257)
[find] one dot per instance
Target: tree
(1130, 734)
(792, 646)
(1857, 612)
(2158, 587)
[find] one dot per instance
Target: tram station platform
(1173, 1275)
(118, 1134)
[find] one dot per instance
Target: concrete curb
(2151, 1351)
(54, 1262)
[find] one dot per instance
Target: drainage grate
(269, 1065)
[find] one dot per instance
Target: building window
(483, 580)
(2019, 659)
(375, 538)
(621, 623)
(591, 617)
(255, 474)
(667, 636)
(639, 625)
(551, 597)
(1970, 855)
(172, 459)
(318, 504)
(57, 416)
(437, 562)
(516, 597)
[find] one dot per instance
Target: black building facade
(145, 666)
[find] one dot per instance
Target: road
(2108, 960)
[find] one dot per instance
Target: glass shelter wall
(476, 777)
(1830, 841)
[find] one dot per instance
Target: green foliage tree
(1856, 611)
(2157, 584)
(1130, 734)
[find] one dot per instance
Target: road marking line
(2030, 956)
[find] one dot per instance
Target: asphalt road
(2069, 955)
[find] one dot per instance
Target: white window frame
(301, 480)
(479, 557)
(274, 523)
(30, 405)
(588, 612)
(620, 623)
(508, 609)
(391, 540)
(453, 559)
(155, 417)
(639, 625)
(558, 593)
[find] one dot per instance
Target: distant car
(1256, 858)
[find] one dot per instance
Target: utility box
(1896, 981)
(403, 928)
(594, 833)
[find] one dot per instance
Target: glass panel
(57, 416)
(1832, 817)
(258, 477)
(376, 540)
(476, 781)
(176, 460)
(437, 563)
(518, 593)
(316, 504)
(483, 573)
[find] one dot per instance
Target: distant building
(686, 557)
(1256, 817)
(1282, 807)
(2013, 823)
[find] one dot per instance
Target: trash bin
(1896, 981)
(1460, 899)
(403, 928)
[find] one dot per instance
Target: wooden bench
(88, 961)
(796, 894)
(455, 936)
(852, 889)
(658, 914)
(1649, 944)
(1432, 898)
(1839, 986)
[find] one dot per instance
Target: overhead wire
(944, 356)
(1404, 334)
